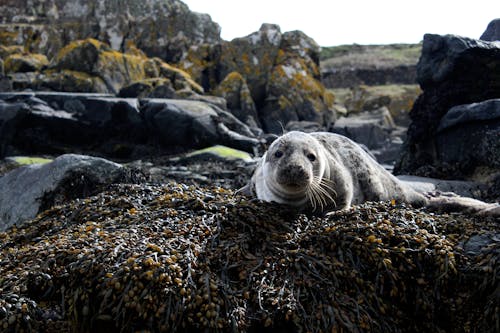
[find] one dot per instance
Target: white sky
(336, 22)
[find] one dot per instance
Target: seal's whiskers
(319, 193)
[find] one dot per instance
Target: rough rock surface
(35, 188)
(492, 32)
(160, 28)
(178, 258)
(280, 69)
(92, 66)
(126, 128)
(452, 71)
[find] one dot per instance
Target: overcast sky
(337, 22)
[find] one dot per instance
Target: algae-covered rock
(220, 152)
(25, 62)
(160, 28)
(92, 66)
(235, 91)
(280, 70)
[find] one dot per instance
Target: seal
(324, 171)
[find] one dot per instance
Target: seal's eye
(278, 154)
(311, 157)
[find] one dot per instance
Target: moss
(223, 152)
(25, 62)
(26, 160)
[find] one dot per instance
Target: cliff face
(160, 28)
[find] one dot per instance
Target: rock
(371, 129)
(182, 124)
(162, 29)
(452, 71)
(18, 62)
(10, 116)
(294, 92)
(469, 189)
(235, 91)
(149, 88)
(280, 70)
(37, 187)
(57, 123)
(468, 135)
(218, 152)
(92, 66)
(492, 32)
(303, 126)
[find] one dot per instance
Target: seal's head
(293, 172)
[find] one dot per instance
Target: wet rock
(452, 71)
(37, 187)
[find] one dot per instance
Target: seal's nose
(293, 175)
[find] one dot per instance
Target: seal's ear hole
(311, 157)
(278, 154)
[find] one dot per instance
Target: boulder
(370, 128)
(25, 62)
(492, 32)
(58, 123)
(452, 71)
(35, 188)
(92, 66)
(468, 137)
(182, 124)
(162, 29)
(280, 69)
(45, 123)
(235, 91)
(294, 91)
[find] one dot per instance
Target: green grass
(370, 55)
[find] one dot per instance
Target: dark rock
(452, 71)
(57, 123)
(61, 123)
(371, 129)
(303, 126)
(37, 187)
(185, 124)
(154, 26)
(343, 77)
(492, 32)
(469, 189)
(468, 136)
(10, 116)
